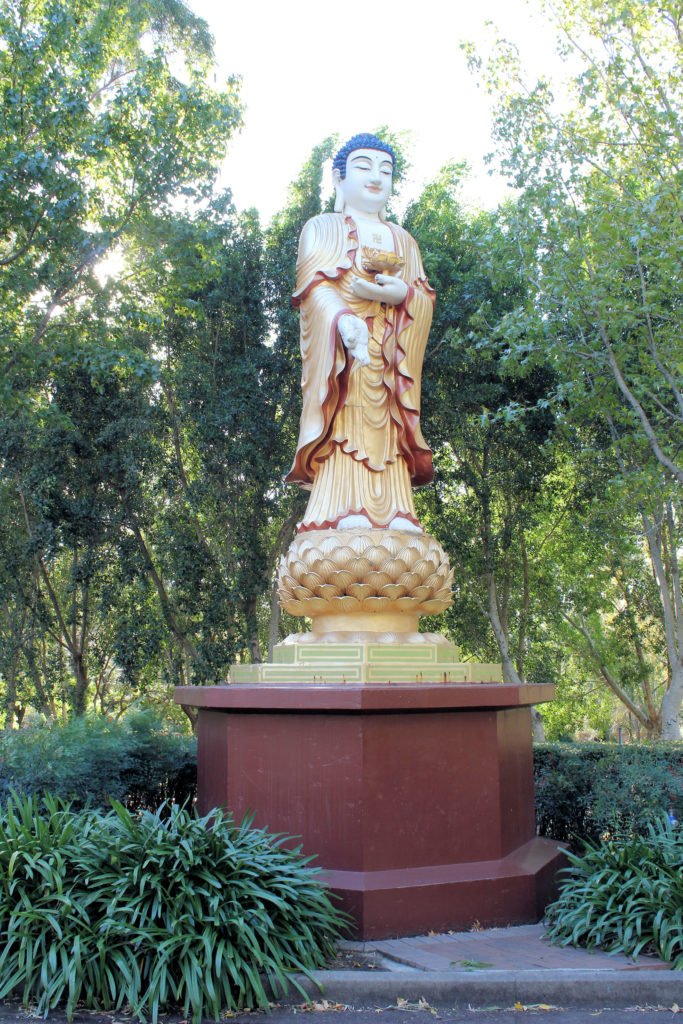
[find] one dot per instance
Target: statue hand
(384, 288)
(354, 334)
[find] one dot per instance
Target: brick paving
(521, 948)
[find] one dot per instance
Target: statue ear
(338, 191)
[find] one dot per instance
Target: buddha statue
(361, 566)
(366, 309)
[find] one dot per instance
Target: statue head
(362, 172)
(363, 141)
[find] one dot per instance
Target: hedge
(138, 760)
(585, 791)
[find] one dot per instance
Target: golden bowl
(376, 261)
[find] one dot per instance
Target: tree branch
(609, 678)
(666, 462)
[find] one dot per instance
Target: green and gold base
(365, 663)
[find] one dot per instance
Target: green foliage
(109, 125)
(586, 790)
(152, 911)
(580, 706)
(92, 760)
(598, 225)
(106, 118)
(625, 896)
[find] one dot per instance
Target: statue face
(367, 184)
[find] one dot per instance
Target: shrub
(152, 910)
(625, 896)
(584, 790)
(137, 760)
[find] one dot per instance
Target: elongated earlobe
(338, 192)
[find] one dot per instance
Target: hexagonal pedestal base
(417, 799)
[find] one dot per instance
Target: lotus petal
(393, 567)
(434, 607)
(324, 567)
(406, 603)
(360, 542)
(298, 569)
(377, 554)
(434, 581)
(360, 567)
(376, 604)
(409, 556)
(301, 593)
(409, 580)
(378, 579)
(341, 578)
(327, 591)
(393, 590)
(348, 603)
(312, 580)
(425, 567)
(360, 590)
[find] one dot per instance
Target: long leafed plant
(151, 911)
(625, 896)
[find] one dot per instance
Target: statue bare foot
(357, 522)
(401, 523)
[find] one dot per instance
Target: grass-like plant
(151, 911)
(625, 896)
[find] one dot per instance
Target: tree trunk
(192, 715)
(11, 690)
(10, 700)
(510, 673)
(252, 632)
(274, 624)
(671, 705)
(80, 689)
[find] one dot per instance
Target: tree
(599, 222)
(596, 585)
(108, 122)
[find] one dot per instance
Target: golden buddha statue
(361, 565)
(366, 309)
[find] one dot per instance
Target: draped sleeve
(326, 252)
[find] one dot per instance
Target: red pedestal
(418, 800)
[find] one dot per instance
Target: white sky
(311, 69)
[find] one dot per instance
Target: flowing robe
(360, 445)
